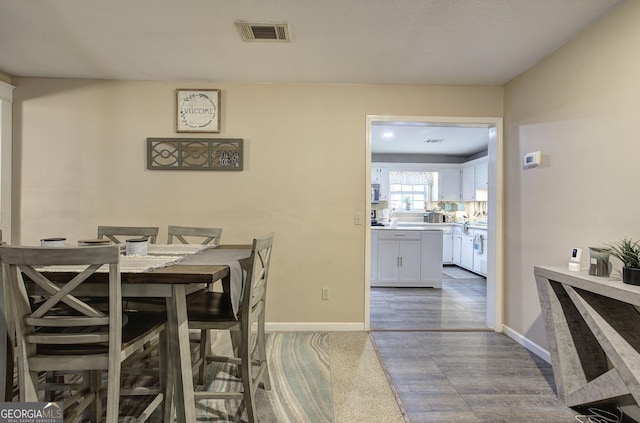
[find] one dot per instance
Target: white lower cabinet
(480, 252)
(399, 256)
(466, 250)
(409, 258)
(374, 257)
(457, 245)
(470, 249)
(447, 245)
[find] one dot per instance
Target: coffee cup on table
(53, 242)
(136, 247)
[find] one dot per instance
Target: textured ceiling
(443, 42)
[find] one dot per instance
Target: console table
(593, 331)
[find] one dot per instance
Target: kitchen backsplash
(475, 211)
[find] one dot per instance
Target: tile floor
(447, 366)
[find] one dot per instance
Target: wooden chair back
(184, 233)
(61, 318)
(254, 293)
(113, 232)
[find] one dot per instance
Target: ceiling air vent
(434, 140)
(263, 31)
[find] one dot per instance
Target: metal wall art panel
(194, 154)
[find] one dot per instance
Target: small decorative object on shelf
(599, 262)
(194, 154)
(628, 252)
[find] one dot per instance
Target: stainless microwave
(375, 193)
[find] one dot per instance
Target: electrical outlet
(358, 219)
(325, 293)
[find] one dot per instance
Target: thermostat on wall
(531, 159)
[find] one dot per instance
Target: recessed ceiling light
(387, 134)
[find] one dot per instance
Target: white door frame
(495, 283)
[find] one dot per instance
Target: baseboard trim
(527, 343)
(314, 327)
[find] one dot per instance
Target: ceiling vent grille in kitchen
(263, 31)
(434, 140)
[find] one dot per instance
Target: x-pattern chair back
(211, 236)
(254, 292)
(113, 232)
(58, 307)
(88, 315)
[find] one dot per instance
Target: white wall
(581, 108)
(80, 161)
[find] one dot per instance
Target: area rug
(300, 382)
(316, 377)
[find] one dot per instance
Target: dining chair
(58, 331)
(214, 311)
(113, 232)
(185, 234)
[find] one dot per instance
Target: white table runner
(228, 257)
(176, 249)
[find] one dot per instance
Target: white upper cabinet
(449, 185)
(468, 183)
(482, 175)
(380, 175)
(376, 175)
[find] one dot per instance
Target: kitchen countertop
(424, 226)
(415, 226)
(472, 225)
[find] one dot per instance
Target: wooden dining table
(173, 283)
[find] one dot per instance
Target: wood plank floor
(460, 304)
(446, 365)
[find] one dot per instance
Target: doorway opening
(493, 246)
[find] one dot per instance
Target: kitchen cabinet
(480, 251)
(399, 257)
(430, 261)
(457, 245)
(466, 250)
(449, 185)
(406, 258)
(374, 256)
(380, 175)
(447, 245)
(482, 175)
(468, 190)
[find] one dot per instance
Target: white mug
(136, 247)
(53, 242)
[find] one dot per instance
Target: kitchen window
(410, 191)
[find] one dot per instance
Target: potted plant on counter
(407, 202)
(628, 252)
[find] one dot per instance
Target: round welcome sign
(198, 110)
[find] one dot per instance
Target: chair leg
(94, 383)
(8, 374)
(236, 344)
(262, 354)
(205, 351)
(248, 384)
(113, 391)
(166, 377)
